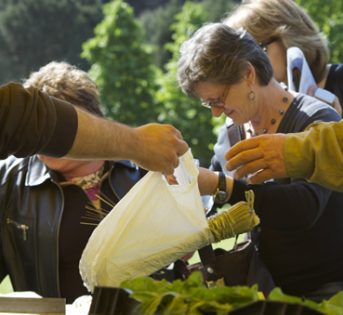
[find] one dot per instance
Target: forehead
(209, 90)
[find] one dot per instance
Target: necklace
(273, 121)
(88, 181)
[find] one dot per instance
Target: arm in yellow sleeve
(317, 154)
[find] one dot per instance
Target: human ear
(250, 74)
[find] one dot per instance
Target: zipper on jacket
(23, 227)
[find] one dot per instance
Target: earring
(251, 95)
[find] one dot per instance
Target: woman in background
(280, 24)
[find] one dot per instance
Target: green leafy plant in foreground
(333, 306)
(192, 297)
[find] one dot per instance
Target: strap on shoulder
(235, 133)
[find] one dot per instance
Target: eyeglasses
(219, 102)
(264, 45)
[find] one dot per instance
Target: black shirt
(334, 81)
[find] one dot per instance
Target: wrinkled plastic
(152, 226)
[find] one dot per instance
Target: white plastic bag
(152, 226)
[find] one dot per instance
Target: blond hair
(67, 82)
(285, 20)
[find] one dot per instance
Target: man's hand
(154, 147)
(159, 147)
(261, 156)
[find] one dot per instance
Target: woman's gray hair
(219, 54)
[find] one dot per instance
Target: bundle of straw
(240, 218)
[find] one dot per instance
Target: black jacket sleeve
(289, 206)
(33, 122)
(334, 81)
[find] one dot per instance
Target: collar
(38, 173)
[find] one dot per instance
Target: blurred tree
(195, 122)
(157, 22)
(122, 66)
(219, 9)
(157, 28)
(328, 15)
(142, 5)
(34, 32)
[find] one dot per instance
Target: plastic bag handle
(187, 171)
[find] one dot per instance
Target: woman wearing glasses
(278, 25)
(301, 231)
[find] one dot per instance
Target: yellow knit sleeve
(317, 154)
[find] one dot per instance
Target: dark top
(73, 235)
(301, 231)
(33, 122)
(334, 81)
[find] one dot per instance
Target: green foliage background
(35, 32)
(122, 66)
(180, 110)
(328, 15)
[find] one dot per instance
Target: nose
(217, 111)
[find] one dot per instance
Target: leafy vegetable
(333, 306)
(193, 297)
(188, 297)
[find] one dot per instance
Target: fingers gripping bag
(151, 227)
